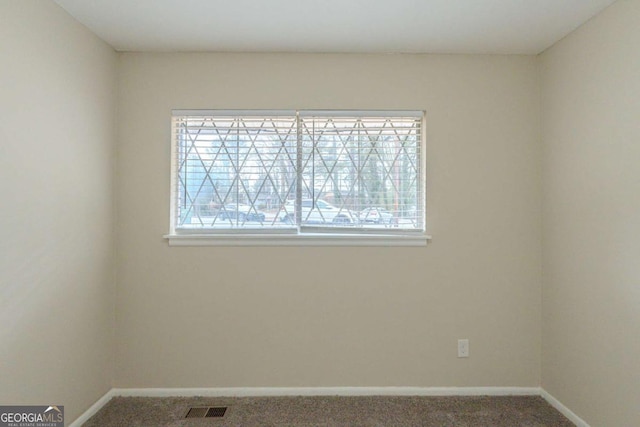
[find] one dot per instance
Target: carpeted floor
(481, 411)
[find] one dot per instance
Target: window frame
(300, 235)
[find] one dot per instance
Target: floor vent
(216, 412)
(206, 412)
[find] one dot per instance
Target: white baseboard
(579, 422)
(329, 391)
(93, 409)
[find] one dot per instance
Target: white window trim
(293, 237)
(307, 239)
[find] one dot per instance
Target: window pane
(234, 172)
(361, 172)
(257, 170)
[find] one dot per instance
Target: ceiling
(432, 26)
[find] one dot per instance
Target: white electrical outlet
(463, 348)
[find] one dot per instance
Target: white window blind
(368, 165)
(297, 172)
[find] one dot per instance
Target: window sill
(296, 240)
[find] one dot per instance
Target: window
(305, 174)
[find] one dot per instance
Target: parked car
(318, 212)
(242, 213)
(376, 215)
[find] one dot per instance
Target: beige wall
(57, 114)
(317, 316)
(591, 292)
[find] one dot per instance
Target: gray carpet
(481, 411)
